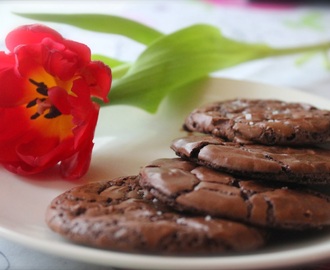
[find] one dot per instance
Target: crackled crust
(189, 187)
(270, 122)
(120, 215)
(308, 165)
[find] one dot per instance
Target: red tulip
(47, 114)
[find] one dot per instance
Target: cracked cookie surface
(270, 122)
(120, 215)
(187, 186)
(303, 165)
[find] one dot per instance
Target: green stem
(326, 59)
(295, 50)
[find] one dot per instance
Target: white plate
(127, 138)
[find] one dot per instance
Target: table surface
(278, 26)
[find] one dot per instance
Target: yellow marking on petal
(67, 85)
(60, 126)
(40, 75)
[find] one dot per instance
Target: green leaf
(170, 62)
(118, 68)
(182, 57)
(108, 60)
(102, 23)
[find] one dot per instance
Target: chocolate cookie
(270, 122)
(309, 165)
(119, 215)
(198, 189)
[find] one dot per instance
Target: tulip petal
(35, 161)
(12, 123)
(77, 165)
(47, 115)
(58, 60)
(22, 168)
(13, 92)
(59, 97)
(85, 117)
(98, 77)
(80, 49)
(29, 59)
(44, 153)
(13, 128)
(7, 61)
(30, 34)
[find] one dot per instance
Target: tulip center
(44, 106)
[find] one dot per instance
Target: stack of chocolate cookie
(225, 192)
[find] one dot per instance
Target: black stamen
(53, 112)
(32, 103)
(35, 116)
(41, 87)
(43, 90)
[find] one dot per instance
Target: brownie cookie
(201, 190)
(120, 215)
(309, 165)
(270, 122)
